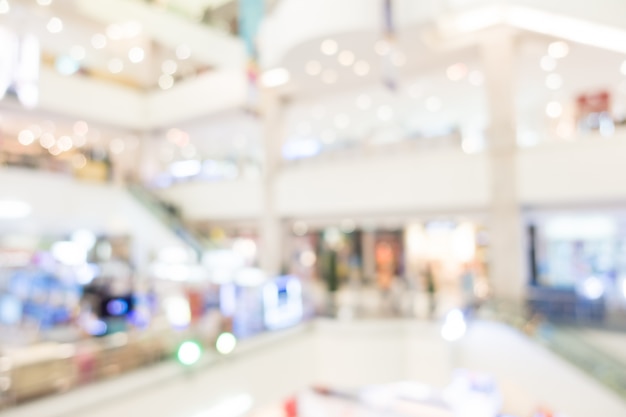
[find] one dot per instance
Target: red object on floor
(291, 407)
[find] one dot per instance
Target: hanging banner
(250, 16)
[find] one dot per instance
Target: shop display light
(189, 353)
(226, 343)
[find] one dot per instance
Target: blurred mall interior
(312, 208)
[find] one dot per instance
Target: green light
(189, 353)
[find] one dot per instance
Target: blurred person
(431, 290)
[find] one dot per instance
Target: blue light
(117, 307)
(66, 65)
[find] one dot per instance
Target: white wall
(385, 183)
(225, 200)
(583, 171)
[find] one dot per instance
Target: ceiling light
(44, 2)
(275, 77)
(554, 110)
(136, 55)
(132, 29)
(26, 137)
(47, 140)
(382, 47)
(5, 7)
(554, 81)
(183, 52)
(558, 49)
(65, 65)
(81, 128)
(77, 53)
(98, 41)
(166, 81)
(329, 47)
(55, 25)
(313, 68)
(398, 59)
(14, 209)
(116, 65)
(361, 68)
(329, 77)
(476, 78)
(346, 58)
(433, 104)
(385, 113)
(547, 63)
(65, 143)
(456, 72)
(115, 32)
(169, 66)
(363, 102)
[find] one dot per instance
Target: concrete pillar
(505, 226)
(270, 228)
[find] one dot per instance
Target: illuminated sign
(19, 67)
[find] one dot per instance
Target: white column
(505, 228)
(270, 229)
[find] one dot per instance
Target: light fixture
(275, 77)
(363, 102)
(5, 7)
(131, 29)
(329, 47)
(547, 63)
(26, 137)
(65, 143)
(361, 68)
(98, 41)
(136, 55)
(456, 72)
(77, 53)
(554, 110)
(115, 65)
(55, 25)
(47, 140)
(329, 76)
(14, 209)
(313, 68)
(81, 128)
(346, 58)
(166, 81)
(554, 81)
(226, 343)
(382, 47)
(66, 65)
(189, 353)
(169, 67)
(114, 32)
(183, 51)
(558, 49)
